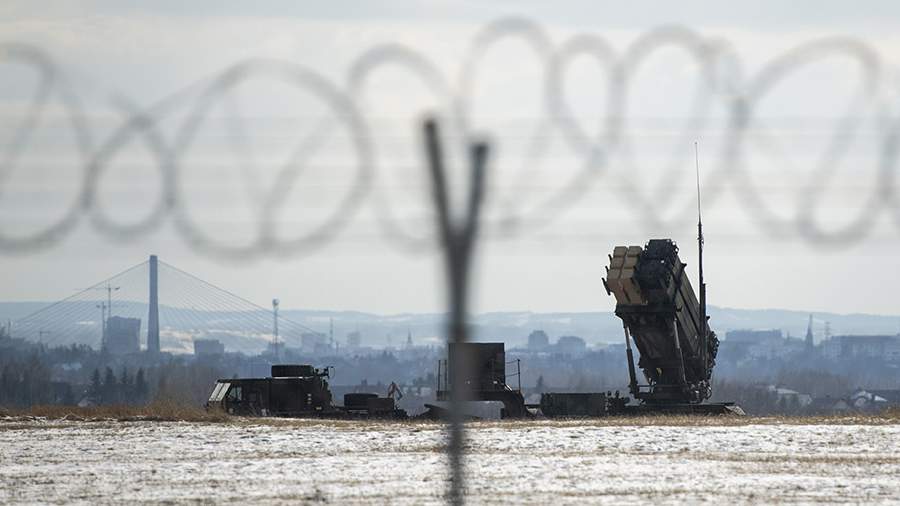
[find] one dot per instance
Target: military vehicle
(482, 367)
(667, 323)
(298, 391)
(292, 390)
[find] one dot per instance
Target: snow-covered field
(533, 462)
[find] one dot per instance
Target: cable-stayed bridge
(186, 309)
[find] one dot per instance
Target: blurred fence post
(457, 235)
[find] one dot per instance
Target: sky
(275, 148)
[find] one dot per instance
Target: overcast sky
(329, 103)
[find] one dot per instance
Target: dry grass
(890, 417)
(157, 411)
(175, 411)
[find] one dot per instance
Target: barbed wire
(722, 84)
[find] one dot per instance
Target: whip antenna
(704, 333)
(697, 167)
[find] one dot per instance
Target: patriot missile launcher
(665, 320)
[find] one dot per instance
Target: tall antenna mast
(704, 333)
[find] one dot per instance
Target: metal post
(458, 233)
(632, 377)
(678, 352)
(519, 372)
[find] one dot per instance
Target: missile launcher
(662, 315)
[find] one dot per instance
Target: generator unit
(479, 371)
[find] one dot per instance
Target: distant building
(208, 347)
(571, 345)
(830, 348)
(123, 335)
(885, 347)
(354, 339)
(768, 343)
(754, 336)
(538, 340)
(865, 401)
(892, 397)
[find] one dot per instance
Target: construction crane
(105, 311)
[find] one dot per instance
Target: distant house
(862, 400)
(892, 397)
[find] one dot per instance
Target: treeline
(27, 383)
(753, 399)
(810, 386)
(69, 375)
(122, 389)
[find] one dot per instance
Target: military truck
(298, 391)
(292, 390)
